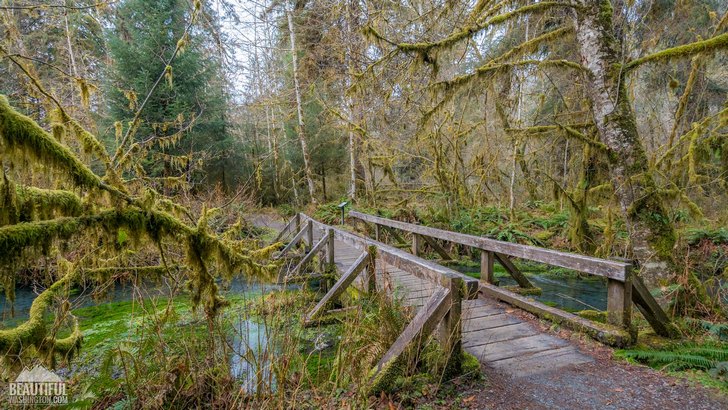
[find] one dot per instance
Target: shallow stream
(566, 291)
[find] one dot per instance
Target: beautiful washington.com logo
(37, 386)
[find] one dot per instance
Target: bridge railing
(443, 308)
(620, 280)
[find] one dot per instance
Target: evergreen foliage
(185, 123)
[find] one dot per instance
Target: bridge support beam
(451, 334)
(619, 302)
(339, 287)
(487, 274)
(372, 269)
(513, 270)
(416, 246)
(651, 310)
(329, 266)
(422, 325)
(309, 235)
(436, 246)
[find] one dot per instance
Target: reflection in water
(250, 363)
(566, 292)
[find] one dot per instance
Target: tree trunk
(273, 141)
(323, 181)
(299, 111)
(356, 168)
(651, 233)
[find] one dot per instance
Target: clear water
(250, 361)
(117, 292)
(570, 293)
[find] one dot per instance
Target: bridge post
(297, 220)
(377, 232)
(415, 244)
(330, 260)
(487, 274)
(330, 248)
(372, 269)
(619, 301)
(309, 235)
(450, 333)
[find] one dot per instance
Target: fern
(715, 354)
(328, 213)
(674, 360)
(710, 357)
(717, 236)
(510, 233)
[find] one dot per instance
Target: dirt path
(605, 383)
(266, 219)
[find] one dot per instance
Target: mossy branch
(36, 203)
(33, 332)
(569, 130)
(89, 142)
(711, 44)
(19, 133)
(531, 45)
(16, 240)
(473, 29)
(491, 68)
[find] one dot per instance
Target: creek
(565, 291)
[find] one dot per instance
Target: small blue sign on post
(342, 206)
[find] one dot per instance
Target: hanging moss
(33, 221)
(9, 210)
(57, 127)
(34, 238)
(21, 134)
(35, 203)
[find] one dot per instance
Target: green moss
(594, 315)
(35, 203)
(711, 44)
(382, 379)
(533, 291)
(470, 364)
(21, 134)
(649, 211)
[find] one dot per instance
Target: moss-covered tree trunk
(651, 233)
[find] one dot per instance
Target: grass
(118, 334)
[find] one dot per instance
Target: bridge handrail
(615, 270)
(398, 258)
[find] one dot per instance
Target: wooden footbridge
(464, 313)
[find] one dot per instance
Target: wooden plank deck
(497, 338)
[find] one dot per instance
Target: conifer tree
(184, 117)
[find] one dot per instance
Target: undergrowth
(706, 361)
